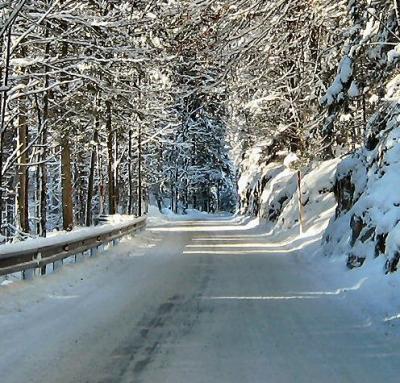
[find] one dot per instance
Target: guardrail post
(28, 274)
(57, 265)
(79, 257)
(93, 251)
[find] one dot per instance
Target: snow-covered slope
(353, 201)
(317, 199)
(270, 191)
(366, 224)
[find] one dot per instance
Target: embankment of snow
(367, 222)
(352, 202)
(272, 195)
(61, 237)
(317, 199)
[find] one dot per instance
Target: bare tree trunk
(172, 194)
(139, 210)
(396, 4)
(102, 187)
(42, 168)
(116, 173)
(66, 185)
(90, 191)
(66, 171)
(176, 194)
(130, 201)
(3, 105)
(41, 173)
(22, 214)
(111, 164)
(79, 188)
(23, 159)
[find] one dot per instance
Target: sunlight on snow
(261, 298)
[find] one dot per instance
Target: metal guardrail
(32, 258)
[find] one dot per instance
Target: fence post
(301, 207)
(28, 274)
(57, 265)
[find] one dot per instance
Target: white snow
(290, 160)
(317, 199)
(335, 91)
(231, 301)
(354, 90)
(60, 237)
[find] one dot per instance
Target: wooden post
(93, 251)
(301, 207)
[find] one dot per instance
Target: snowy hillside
(279, 204)
(353, 202)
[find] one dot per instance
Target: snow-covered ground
(210, 299)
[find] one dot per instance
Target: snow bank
(366, 224)
(269, 190)
(167, 215)
(250, 176)
(280, 186)
(317, 199)
(62, 237)
(257, 168)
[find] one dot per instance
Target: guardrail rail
(24, 256)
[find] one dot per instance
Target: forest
(200, 191)
(109, 106)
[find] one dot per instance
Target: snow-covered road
(195, 302)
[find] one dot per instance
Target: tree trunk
(176, 194)
(42, 168)
(130, 201)
(66, 185)
(396, 4)
(66, 171)
(116, 175)
(111, 191)
(139, 210)
(23, 159)
(90, 191)
(3, 105)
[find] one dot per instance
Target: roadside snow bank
(61, 237)
(280, 186)
(366, 224)
(317, 198)
(270, 192)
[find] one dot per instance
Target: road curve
(210, 302)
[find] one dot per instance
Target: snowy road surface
(195, 302)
